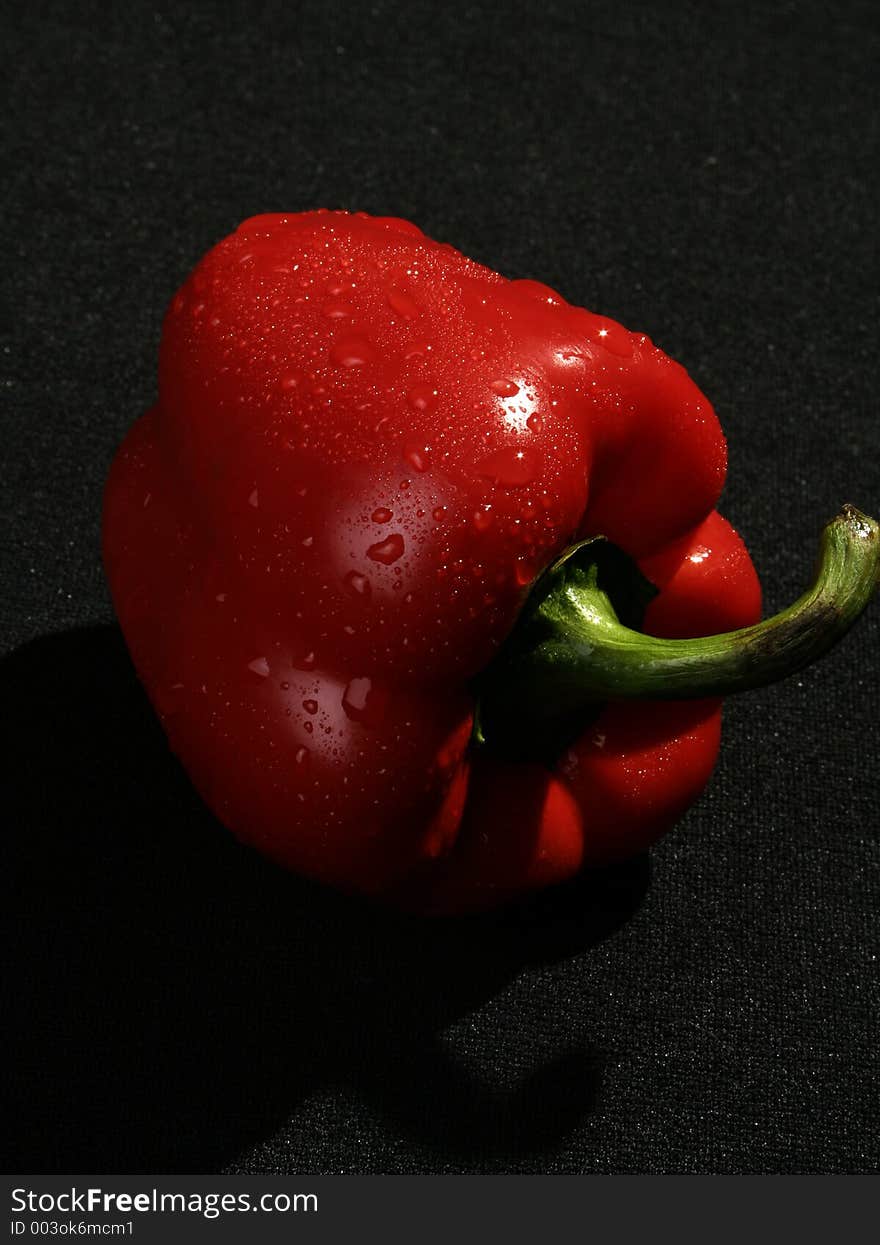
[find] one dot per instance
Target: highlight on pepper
(422, 569)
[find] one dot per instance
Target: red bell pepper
(321, 541)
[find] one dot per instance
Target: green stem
(572, 652)
(621, 663)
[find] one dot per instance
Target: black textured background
(703, 172)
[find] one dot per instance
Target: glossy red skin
(365, 448)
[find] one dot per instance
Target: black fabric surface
(704, 173)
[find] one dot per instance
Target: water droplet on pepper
(402, 304)
(388, 550)
(482, 519)
(357, 583)
(422, 397)
(351, 352)
(363, 701)
(416, 454)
